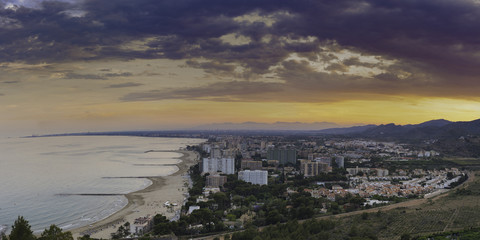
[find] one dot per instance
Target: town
(261, 180)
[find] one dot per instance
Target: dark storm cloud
(125, 85)
(71, 75)
(84, 76)
(434, 41)
(124, 74)
(11, 82)
(212, 67)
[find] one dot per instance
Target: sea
(41, 178)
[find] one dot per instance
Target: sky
(101, 65)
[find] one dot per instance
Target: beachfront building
(215, 181)
(141, 225)
(255, 177)
(215, 165)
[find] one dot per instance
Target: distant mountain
(449, 138)
(347, 130)
(462, 128)
(389, 130)
(433, 123)
(277, 126)
(428, 130)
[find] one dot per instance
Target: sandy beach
(149, 201)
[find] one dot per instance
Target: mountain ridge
(299, 126)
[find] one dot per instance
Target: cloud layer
(272, 50)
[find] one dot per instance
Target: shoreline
(147, 201)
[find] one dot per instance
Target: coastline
(148, 201)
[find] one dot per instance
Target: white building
(356, 170)
(215, 152)
(192, 208)
(207, 148)
(259, 177)
(382, 172)
(214, 165)
(141, 225)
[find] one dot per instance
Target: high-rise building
(215, 152)
(215, 181)
(229, 152)
(311, 169)
(214, 165)
(206, 148)
(258, 177)
(283, 155)
(262, 145)
(251, 164)
(327, 160)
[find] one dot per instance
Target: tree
(159, 218)
(222, 200)
(21, 230)
(126, 230)
(55, 233)
(405, 236)
(122, 231)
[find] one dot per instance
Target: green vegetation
(259, 205)
(464, 161)
(21, 230)
(455, 211)
(426, 164)
(311, 229)
(55, 233)
(122, 231)
(451, 213)
(467, 234)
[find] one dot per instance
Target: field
(464, 161)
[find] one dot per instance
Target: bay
(40, 178)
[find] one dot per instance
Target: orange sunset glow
(69, 66)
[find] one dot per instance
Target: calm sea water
(38, 174)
